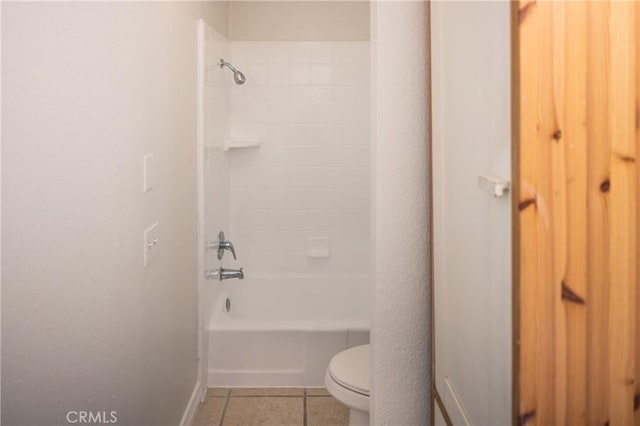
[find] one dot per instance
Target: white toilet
(347, 379)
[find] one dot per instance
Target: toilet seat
(347, 387)
(350, 369)
(347, 377)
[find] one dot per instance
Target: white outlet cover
(151, 244)
(148, 172)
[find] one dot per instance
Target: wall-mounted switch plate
(151, 244)
(148, 171)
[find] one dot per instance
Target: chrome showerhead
(238, 77)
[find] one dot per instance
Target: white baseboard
(192, 406)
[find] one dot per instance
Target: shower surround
(308, 104)
(298, 213)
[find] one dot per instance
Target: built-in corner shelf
(241, 143)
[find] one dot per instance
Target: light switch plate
(148, 171)
(151, 244)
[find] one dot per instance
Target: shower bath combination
(296, 308)
(238, 77)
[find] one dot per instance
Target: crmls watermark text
(92, 417)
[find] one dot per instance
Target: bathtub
(283, 331)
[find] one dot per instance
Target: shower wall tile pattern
(308, 103)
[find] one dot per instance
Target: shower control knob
(223, 245)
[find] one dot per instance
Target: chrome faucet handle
(223, 245)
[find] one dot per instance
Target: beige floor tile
(210, 412)
(267, 392)
(318, 392)
(326, 411)
(268, 411)
(217, 392)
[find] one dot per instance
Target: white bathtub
(284, 331)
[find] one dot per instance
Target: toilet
(347, 379)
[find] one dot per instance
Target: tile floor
(270, 407)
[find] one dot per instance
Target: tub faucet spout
(224, 274)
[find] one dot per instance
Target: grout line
(304, 418)
(267, 396)
(224, 410)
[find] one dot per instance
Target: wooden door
(577, 147)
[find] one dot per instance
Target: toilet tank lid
(351, 369)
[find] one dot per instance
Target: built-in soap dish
(318, 247)
(241, 143)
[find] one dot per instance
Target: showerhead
(238, 77)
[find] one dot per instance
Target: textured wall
(400, 330)
(88, 89)
(299, 20)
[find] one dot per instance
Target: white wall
(472, 228)
(299, 20)
(213, 178)
(216, 14)
(88, 90)
(308, 103)
(400, 329)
